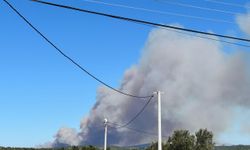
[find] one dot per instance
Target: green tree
(204, 140)
(180, 140)
(153, 146)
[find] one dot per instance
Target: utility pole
(105, 133)
(159, 121)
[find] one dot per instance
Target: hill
(234, 147)
(137, 147)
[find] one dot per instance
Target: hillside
(139, 147)
(235, 147)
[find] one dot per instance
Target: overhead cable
(197, 7)
(159, 12)
(180, 32)
(136, 116)
(69, 58)
(208, 38)
(228, 3)
(145, 22)
(136, 130)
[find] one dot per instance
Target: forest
(179, 140)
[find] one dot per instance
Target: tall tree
(180, 140)
(204, 140)
(153, 146)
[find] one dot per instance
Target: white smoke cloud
(65, 137)
(243, 20)
(245, 128)
(202, 85)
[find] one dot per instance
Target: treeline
(184, 140)
(179, 140)
(235, 147)
(62, 148)
(201, 140)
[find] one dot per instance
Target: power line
(133, 129)
(204, 37)
(156, 11)
(137, 115)
(159, 12)
(68, 57)
(143, 132)
(198, 7)
(136, 130)
(228, 3)
(209, 38)
(144, 22)
(143, 108)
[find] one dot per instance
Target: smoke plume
(201, 83)
(243, 20)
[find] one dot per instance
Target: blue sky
(41, 91)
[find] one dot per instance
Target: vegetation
(204, 140)
(63, 148)
(235, 147)
(180, 140)
(184, 140)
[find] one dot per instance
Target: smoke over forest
(202, 85)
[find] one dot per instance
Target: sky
(41, 91)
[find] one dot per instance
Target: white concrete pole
(159, 121)
(105, 133)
